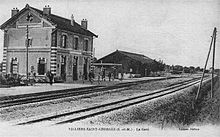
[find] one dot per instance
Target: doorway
(63, 68)
(85, 72)
(75, 65)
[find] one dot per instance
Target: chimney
(14, 11)
(84, 23)
(72, 20)
(46, 10)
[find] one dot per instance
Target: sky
(177, 32)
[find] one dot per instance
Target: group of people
(111, 76)
(101, 76)
(91, 76)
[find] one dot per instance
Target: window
(80, 60)
(63, 60)
(41, 66)
(86, 45)
(76, 41)
(14, 66)
(64, 41)
(29, 42)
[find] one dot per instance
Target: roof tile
(61, 23)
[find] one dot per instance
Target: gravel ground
(65, 105)
(150, 113)
(173, 111)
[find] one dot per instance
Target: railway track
(52, 95)
(77, 115)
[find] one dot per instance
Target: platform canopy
(106, 64)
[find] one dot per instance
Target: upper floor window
(63, 60)
(64, 41)
(86, 45)
(76, 43)
(29, 42)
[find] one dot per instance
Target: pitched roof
(137, 57)
(60, 22)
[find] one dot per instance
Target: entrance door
(75, 76)
(63, 68)
(41, 66)
(85, 72)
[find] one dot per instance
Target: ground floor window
(14, 66)
(41, 66)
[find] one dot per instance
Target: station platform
(44, 87)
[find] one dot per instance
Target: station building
(56, 44)
(127, 62)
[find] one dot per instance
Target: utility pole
(200, 84)
(29, 18)
(213, 63)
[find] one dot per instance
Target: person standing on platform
(103, 75)
(112, 76)
(90, 77)
(50, 76)
(99, 77)
(109, 76)
(122, 75)
(32, 78)
(81, 76)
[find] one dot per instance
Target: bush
(41, 80)
(13, 79)
(3, 80)
(58, 79)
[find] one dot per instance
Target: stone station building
(56, 44)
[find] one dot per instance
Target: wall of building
(70, 40)
(16, 47)
(128, 64)
(33, 58)
(15, 42)
(41, 37)
(46, 42)
(70, 53)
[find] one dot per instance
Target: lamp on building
(29, 18)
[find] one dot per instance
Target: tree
(192, 69)
(197, 69)
(186, 69)
(158, 65)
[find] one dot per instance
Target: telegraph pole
(200, 85)
(213, 63)
(27, 43)
(29, 18)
